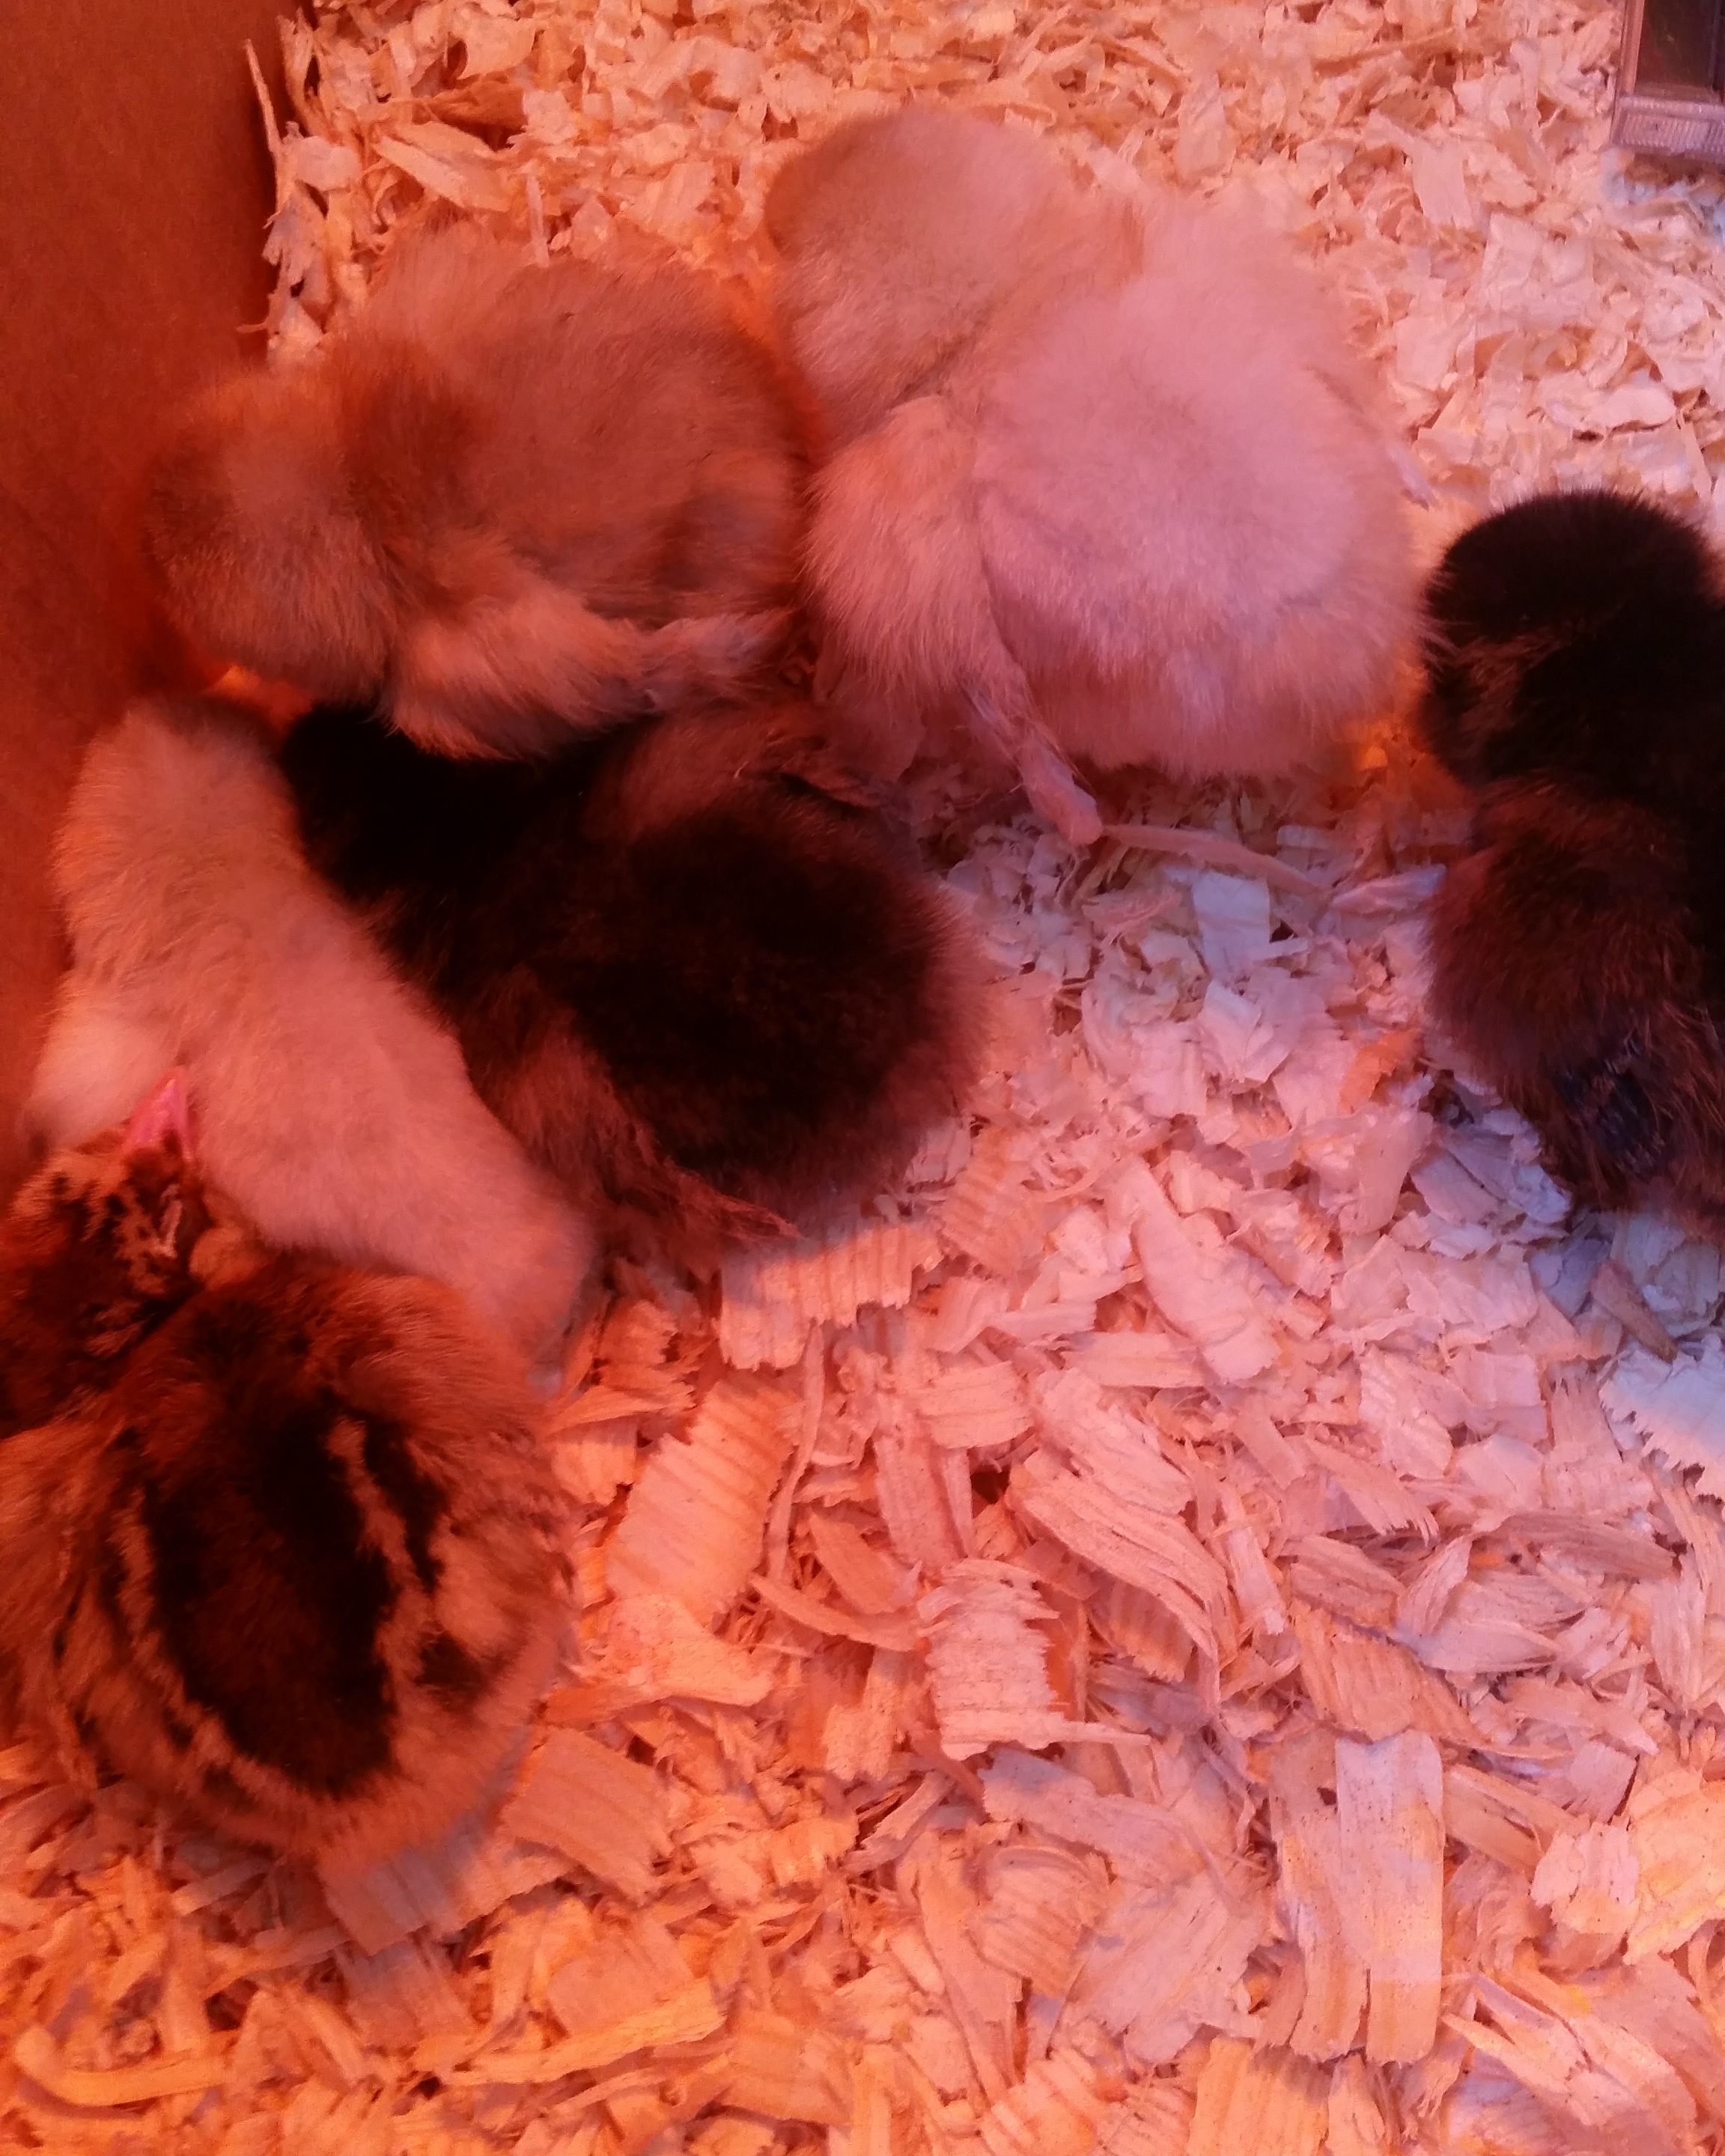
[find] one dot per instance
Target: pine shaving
(653, 1649)
(35, 2053)
(1389, 1813)
(606, 1812)
(696, 1517)
(689, 2014)
(770, 1296)
(1054, 2110)
(988, 1668)
(787, 2070)
(1267, 2100)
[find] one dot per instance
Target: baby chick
(1572, 646)
(288, 1551)
(695, 980)
(333, 1107)
(1104, 474)
(507, 500)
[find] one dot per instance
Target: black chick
(289, 1550)
(1573, 646)
(689, 972)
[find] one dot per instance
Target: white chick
(506, 500)
(1104, 475)
(332, 1107)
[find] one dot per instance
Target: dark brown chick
(701, 984)
(1574, 646)
(293, 1558)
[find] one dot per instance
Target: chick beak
(164, 1113)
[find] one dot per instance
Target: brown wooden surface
(133, 191)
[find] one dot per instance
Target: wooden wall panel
(133, 194)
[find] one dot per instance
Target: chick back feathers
(312, 1585)
(690, 976)
(507, 500)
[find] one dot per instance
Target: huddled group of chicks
(524, 917)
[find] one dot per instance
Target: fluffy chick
(333, 1106)
(293, 1559)
(1105, 474)
(505, 500)
(695, 980)
(1570, 637)
(1573, 644)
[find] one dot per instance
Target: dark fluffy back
(770, 993)
(1576, 635)
(312, 1587)
(759, 978)
(1573, 965)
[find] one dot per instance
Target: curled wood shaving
(770, 1296)
(696, 1517)
(35, 2053)
(605, 1811)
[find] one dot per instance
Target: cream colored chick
(288, 1547)
(1104, 474)
(506, 500)
(331, 1105)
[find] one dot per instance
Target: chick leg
(1053, 791)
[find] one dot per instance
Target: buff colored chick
(507, 500)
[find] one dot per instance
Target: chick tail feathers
(100, 1056)
(896, 555)
(1568, 967)
(516, 676)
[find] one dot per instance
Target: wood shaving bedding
(1197, 1626)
